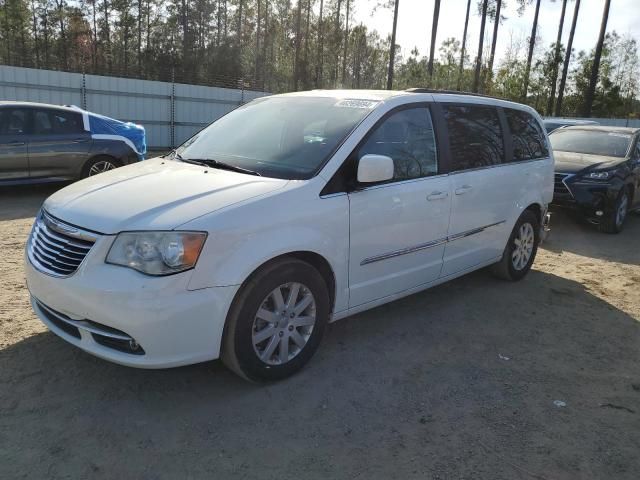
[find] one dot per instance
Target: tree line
(284, 45)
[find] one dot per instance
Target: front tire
(521, 249)
(614, 222)
(276, 321)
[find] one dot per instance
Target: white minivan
(290, 212)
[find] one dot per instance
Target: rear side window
(407, 137)
(13, 121)
(528, 139)
(475, 136)
(57, 122)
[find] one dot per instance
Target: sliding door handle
(463, 189)
(16, 144)
(437, 196)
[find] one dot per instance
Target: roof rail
(452, 92)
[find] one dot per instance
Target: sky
(415, 20)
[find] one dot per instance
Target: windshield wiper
(210, 162)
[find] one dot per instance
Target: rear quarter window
(527, 137)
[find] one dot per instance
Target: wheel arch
(537, 209)
(317, 261)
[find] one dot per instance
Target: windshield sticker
(621, 135)
(353, 103)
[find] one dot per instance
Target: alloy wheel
(100, 167)
(621, 212)
(523, 243)
(283, 324)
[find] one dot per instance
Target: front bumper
(593, 200)
(169, 325)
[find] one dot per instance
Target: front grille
(559, 185)
(57, 248)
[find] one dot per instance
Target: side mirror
(375, 168)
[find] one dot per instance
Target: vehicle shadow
(573, 234)
(446, 383)
(24, 201)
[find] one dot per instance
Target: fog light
(599, 213)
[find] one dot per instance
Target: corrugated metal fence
(170, 112)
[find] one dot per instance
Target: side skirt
(396, 296)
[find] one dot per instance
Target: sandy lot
(456, 382)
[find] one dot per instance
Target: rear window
(475, 136)
(527, 137)
(591, 142)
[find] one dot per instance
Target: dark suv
(40, 142)
(597, 172)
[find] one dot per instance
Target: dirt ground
(463, 381)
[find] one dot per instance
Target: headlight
(157, 253)
(603, 175)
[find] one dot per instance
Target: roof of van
(381, 95)
(5, 103)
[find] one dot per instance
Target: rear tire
(100, 164)
(614, 222)
(269, 335)
(521, 249)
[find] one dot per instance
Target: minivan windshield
(592, 142)
(282, 137)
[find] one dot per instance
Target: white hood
(155, 194)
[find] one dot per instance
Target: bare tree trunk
(105, 5)
(595, 68)
(346, 43)
(35, 31)
(255, 74)
(265, 40)
(306, 46)
(139, 37)
(434, 32)
(567, 59)
(337, 37)
(476, 79)
(556, 61)
(392, 47)
(532, 44)
(296, 60)
(320, 61)
(63, 34)
(219, 23)
(496, 25)
(464, 45)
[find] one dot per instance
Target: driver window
(407, 137)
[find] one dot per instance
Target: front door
(59, 145)
(14, 151)
(398, 229)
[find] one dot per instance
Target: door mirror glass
(375, 168)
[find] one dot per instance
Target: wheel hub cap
(283, 324)
(523, 246)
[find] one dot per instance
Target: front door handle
(463, 189)
(437, 196)
(80, 140)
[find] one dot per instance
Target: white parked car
(288, 213)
